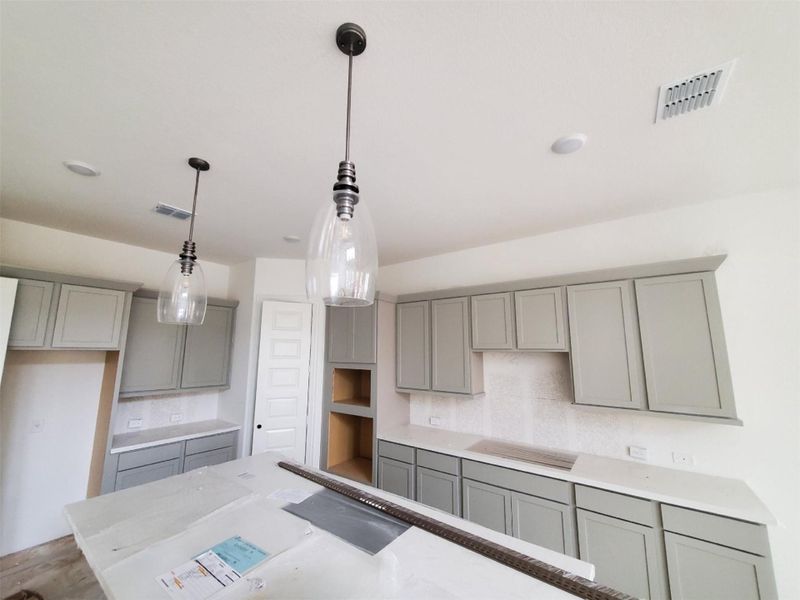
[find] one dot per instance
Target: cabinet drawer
(206, 459)
(437, 462)
(396, 451)
(733, 533)
(147, 473)
(148, 456)
(636, 510)
(536, 485)
(211, 442)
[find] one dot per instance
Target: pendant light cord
(349, 93)
(194, 204)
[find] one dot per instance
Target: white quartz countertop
(146, 438)
(131, 537)
(719, 495)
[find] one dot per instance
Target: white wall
(36, 247)
(759, 286)
(42, 471)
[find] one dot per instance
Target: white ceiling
(455, 107)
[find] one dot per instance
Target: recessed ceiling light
(81, 168)
(569, 143)
(292, 239)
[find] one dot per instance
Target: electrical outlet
(435, 421)
(637, 452)
(37, 426)
(681, 458)
(176, 417)
(135, 423)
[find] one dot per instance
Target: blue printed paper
(240, 554)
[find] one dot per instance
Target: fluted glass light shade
(342, 259)
(182, 297)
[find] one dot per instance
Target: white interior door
(279, 422)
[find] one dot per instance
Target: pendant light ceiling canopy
(342, 259)
(182, 297)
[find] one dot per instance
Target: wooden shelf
(352, 386)
(357, 469)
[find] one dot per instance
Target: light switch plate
(637, 452)
(176, 417)
(135, 423)
(435, 421)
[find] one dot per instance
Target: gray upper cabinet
(31, 311)
(439, 490)
(606, 352)
(153, 351)
(544, 523)
(699, 569)
(683, 345)
(492, 322)
(351, 334)
(88, 317)
(414, 345)
(206, 356)
(452, 360)
(627, 555)
(487, 505)
(541, 319)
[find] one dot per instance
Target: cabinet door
(31, 309)
(439, 490)
(153, 350)
(340, 334)
(207, 353)
(699, 569)
(414, 345)
(543, 522)
(88, 317)
(140, 475)
(541, 319)
(492, 322)
(606, 352)
(364, 332)
(487, 505)
(450, 346)
(396, 477)
(683, 346)
(206, 459)
(627, 556)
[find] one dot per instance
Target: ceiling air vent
(172, 211)
(693, 93)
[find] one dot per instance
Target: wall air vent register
(689, 94)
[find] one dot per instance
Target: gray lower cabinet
(541, 319)
(487, 505)
(493, 322)
(206, 358)
(351, 335)
(208, 458)
(413, 369)
(683, 345)
(439, 490)
(605, 345)
(147, 473)
(31, 311)
(153, 351)
(454, 367)
(544, 523)
(396, 477)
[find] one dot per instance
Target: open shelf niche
(350, 446)
(352, 386)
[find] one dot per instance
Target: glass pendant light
(182, 296)
(342, 259)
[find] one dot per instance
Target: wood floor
(56, 570)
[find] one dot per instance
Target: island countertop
(131, 537)
(709, 493)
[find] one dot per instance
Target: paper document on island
(213, 570)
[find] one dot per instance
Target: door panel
(206, 358)
(487, 505)
(414, 346)
(544, 523)
(31, 309)
(492, 322)
(439, 490)
(282, 385)
(88, 317)
(450, 346)
(396, 477)
(146, 474)
(541, 319)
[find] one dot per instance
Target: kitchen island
(132, 537)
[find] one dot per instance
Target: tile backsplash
(156, 412)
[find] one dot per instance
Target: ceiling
(455, 107)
